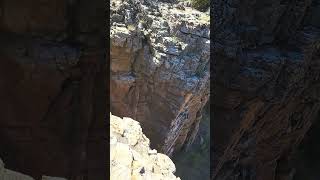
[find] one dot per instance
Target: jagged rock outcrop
(131, 156)
(266, 85)
(160, 69)
(53, 87)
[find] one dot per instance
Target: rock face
(160, 69)
(7, 174)
(266, 85)
(131, 156)
(11, 175)
(53, 87)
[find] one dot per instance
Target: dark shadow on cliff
(53, 88)
(194, 163)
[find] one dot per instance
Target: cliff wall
(266, 93)
(160, 69)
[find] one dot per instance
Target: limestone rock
(133, 161)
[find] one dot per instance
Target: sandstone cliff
(266, 85)
(131, 156)
(160, 69)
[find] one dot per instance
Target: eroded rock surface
(266, 94)
(160, 69)
(131, 156)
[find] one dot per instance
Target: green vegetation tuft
(201, 5)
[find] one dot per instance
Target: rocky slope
(131, 156)
(266, 94)
(160, 69)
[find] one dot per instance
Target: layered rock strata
(131, 156)
(266, 85)
(160, 69)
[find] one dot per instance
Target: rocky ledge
(131, 157)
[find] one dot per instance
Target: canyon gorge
(160, 77)
(61, 92)
(54, 81)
